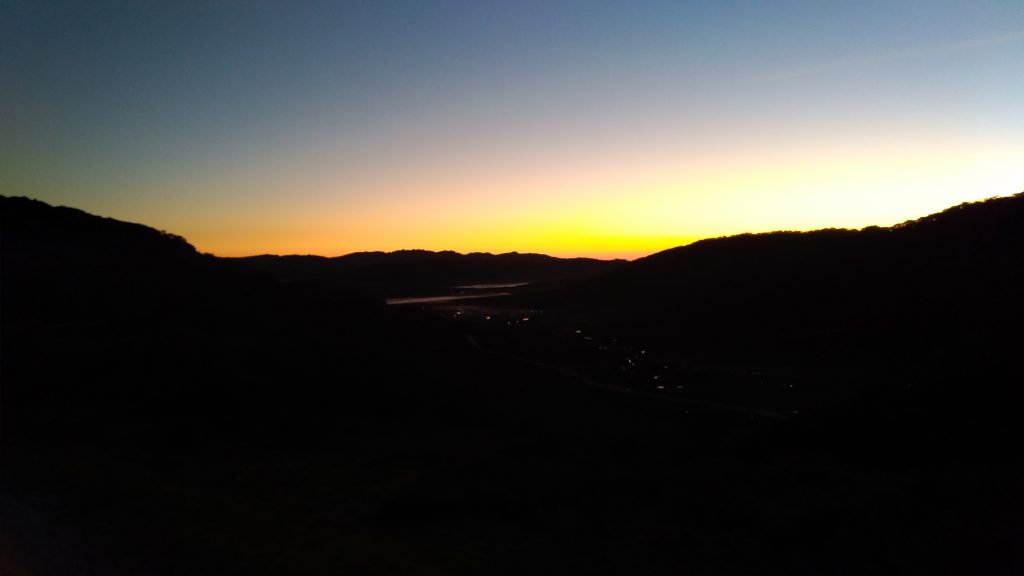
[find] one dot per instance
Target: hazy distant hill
(413, 272)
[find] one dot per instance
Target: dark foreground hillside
(167, 412)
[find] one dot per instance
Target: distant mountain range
(945, 286)
(769, 284)
(835, 264)
(417, 272)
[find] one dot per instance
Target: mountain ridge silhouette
(164, 411)
(1000, 209)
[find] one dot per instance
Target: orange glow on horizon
(615, 132)
(619, 211)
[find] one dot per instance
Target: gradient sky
(570, 128)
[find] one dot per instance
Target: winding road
(584, 379)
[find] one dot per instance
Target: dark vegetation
(169, 412)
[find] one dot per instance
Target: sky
(607, 129)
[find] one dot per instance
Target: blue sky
(566, 127)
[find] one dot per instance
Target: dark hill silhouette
(417, 272)
(93, 306)
(75, 258)
(167, 412)
(932, 304)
